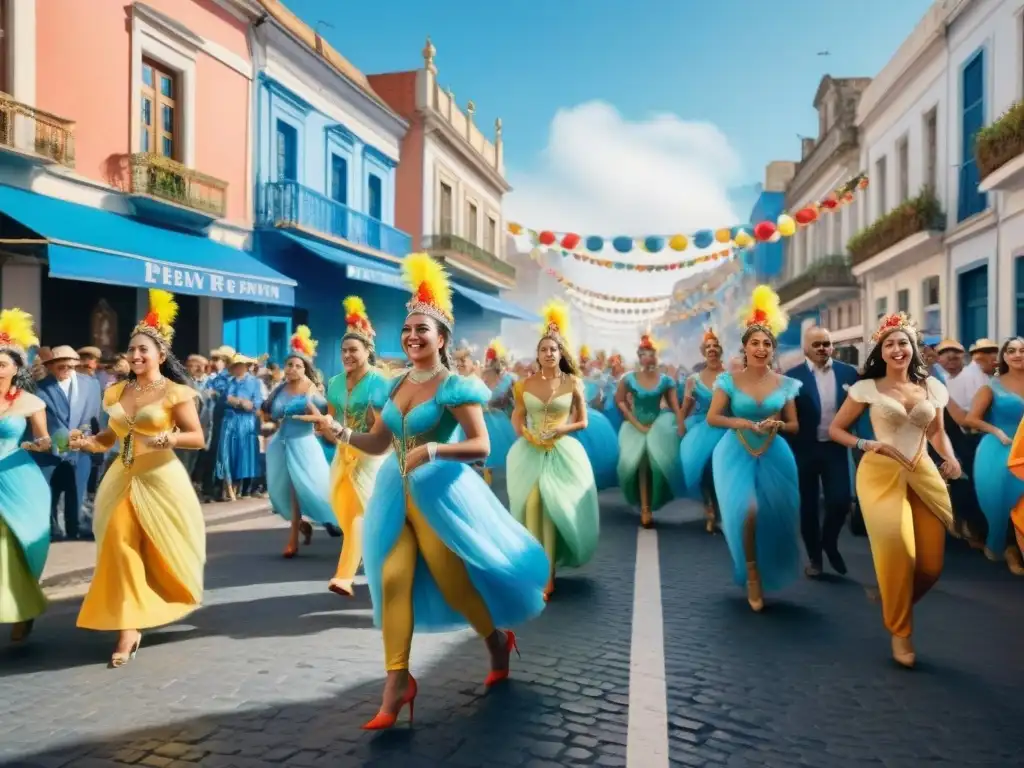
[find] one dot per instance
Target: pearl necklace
(142, 388)
(417, 376)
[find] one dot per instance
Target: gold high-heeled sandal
(903, 652)
(118, 660)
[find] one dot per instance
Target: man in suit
(820, 462)
(72, 402)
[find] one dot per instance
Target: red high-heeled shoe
(496, 676)
(382, 721)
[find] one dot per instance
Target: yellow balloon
(743, 240)
(723, 235)
(785, 225)
(515, 229)
(678, 242)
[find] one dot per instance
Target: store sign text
(177, 278)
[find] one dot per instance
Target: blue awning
(340, 256)
(494, 304)
(98, 246)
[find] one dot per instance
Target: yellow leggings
(349, 511)
(418, 539)
(541, 526)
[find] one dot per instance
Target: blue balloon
(595, 243)
(704, 238)
(623, 244)
(654, 244)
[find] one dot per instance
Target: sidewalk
(72, 562)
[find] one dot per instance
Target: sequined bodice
(353, 408)
(542, 417)
(744, 406)
(1006, 410)
(905, 430)
(286, 405)
(647, 402)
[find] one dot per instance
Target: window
(903, 169)
(339, 179)
(881, 307)
(287, 152)
(374, 197)
(903, 301)
(446, 209)
(1018, 267)
(972, 120)
(839, 318)
(159, 123)
(471, 222)
(492, 236)
(931, 149)
(930, 309)
(879, 183)
(974, 305)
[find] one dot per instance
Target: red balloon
(804, 216)
(830, 203)
(546, 238)
(764, 230)
(570, 241)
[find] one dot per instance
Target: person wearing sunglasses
(823, 466)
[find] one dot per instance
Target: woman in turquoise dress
(755, 474)
(24, 492)
(700, 438)
(599, 438)
(996, 411)
(610, 379)
(649, 470)
(441, 552)
(298, 476)
(498, 413)
(551, 487)
(238, 450)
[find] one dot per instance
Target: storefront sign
(193, 280)
(375, 276)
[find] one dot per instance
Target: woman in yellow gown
(902, 494)
(150, 533)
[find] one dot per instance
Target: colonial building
(817, 284)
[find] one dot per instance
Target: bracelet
(860, 444)
(163, 440)
(337, 427)
(345, 435)
(431, 451)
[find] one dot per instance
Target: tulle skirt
(695, 451)
(601, 445)
(297, 466)
(499, 432)
(660, 447)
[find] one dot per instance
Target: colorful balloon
(654, 244)
(678, 242)
(546, 238)
(723, 236)
(704, 238)
(805, 216)
(595, 243)
(570, 241)
(786, 225)
(623, 244)
(743, 240)
(764, 231)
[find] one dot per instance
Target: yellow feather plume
(765, 309)
(556, 318)
(428, 282)
(354, 306)
(17, 329)
(302, 341)
(163, 307)
(584, 352)
(495, 350)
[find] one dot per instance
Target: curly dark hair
(874, 365)
(1001, 367)
(171, 368)
(566, 364)
(23, 376)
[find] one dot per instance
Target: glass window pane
(147, 112)
(167, 147)
(147, 75)
(168, 115)
(167, 86)
(144, 145)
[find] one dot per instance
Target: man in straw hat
(72, 402)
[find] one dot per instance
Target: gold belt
(755, 452)
(538, 442)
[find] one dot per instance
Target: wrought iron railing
(288, 203)
(829, 272)
(29, 129)
(168, 179)
(437, 244)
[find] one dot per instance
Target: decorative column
(429, 74)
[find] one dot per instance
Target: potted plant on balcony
(1002, 141)
(918, 214)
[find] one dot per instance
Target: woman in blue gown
(238, 452)
(755, 474)
(599, 439)
(298, 475)
(441, 552)
(996, 411)
(498, 413)
(612, 375)
(24, 492)
(700, 438)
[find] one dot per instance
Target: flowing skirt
(998, 490)
(659, 446)
(24, 537)
(297, 466)
(499, 431)
(150, 544)
(769, 484)
(695, 451)
(506, 565)
(602, 448)
(561, 482)
(238, 453)
(613, 414)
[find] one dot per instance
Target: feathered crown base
(897, 321)
(422, 308)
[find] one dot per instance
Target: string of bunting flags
(587, 292)
(743, 236)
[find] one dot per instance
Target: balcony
(999, 152)
(471, 259)
(288, 204)
(903, 236)
(824, 280)
(34, 135)
(169, 192)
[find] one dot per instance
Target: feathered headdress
(431, 292)
(710, 335)
(895, 322)
(496, 352)
(357, 322)
(648, 342)
(765, 313)
(584, 353)
(556, 321)
(158, 323)
(302, 344)
(17, 331)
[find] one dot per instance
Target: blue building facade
(767, 258)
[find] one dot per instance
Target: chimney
(806, 147)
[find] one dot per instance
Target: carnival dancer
(24, 491)
(355, 399)
(498, 413)
(755, 475)
(649, 470)
(598, 437)
(150, 532)
(462, 357)
(613, 370)
(440, 549)
(298, 476)
(996, 410)
(700, 438)
(238, 451)
(903, 496)
(551, 487)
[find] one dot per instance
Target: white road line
(647, 734)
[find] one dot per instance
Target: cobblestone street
(275, 670)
